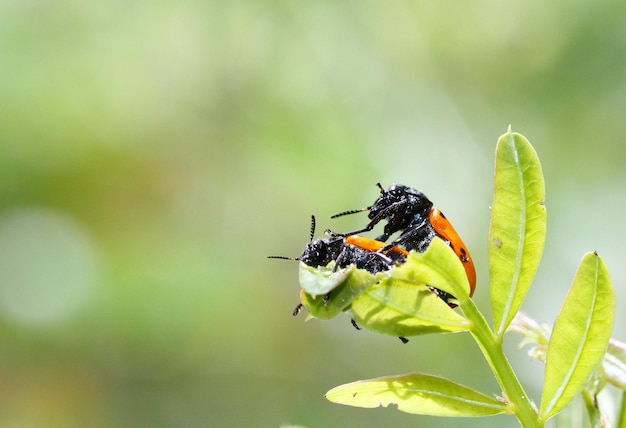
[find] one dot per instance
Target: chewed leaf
(351, 282)
(580, 335)
(418, 393)
(321, 280)
(404, 308)
(438, 266)
(518, 226)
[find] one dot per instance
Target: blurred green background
(152, 153)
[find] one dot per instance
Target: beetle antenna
(297, 259)
(283, 258)
(312, 227)
(382, 190)
(349, 212)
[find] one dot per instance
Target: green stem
(622, 412)
(595, 417)
(492, 349)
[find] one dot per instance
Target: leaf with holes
(321, 280)
(344, 286)
(418, 393)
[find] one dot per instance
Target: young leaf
(401, 305)
(518, 226)
(417, 393)
(580, 335)
(404, 308)
(344, 286)
(321, 280)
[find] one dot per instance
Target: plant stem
(621, 423)
(492, 349)
(595, 417)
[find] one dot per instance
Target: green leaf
(403, 308)
(580, 335)
(438, 267)
(417, 393)
(396, 302)
(344, 286)
(321, 280)
(518, 226)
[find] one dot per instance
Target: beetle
(349, 250)
(410, 213)
(346, 250)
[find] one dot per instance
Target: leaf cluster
(400, 303)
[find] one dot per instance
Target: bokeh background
(152, 153)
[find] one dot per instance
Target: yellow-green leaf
(344, 286)
(321, 280)
(518, 226)
(417, 393)
(403, 308)
(580, 335)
